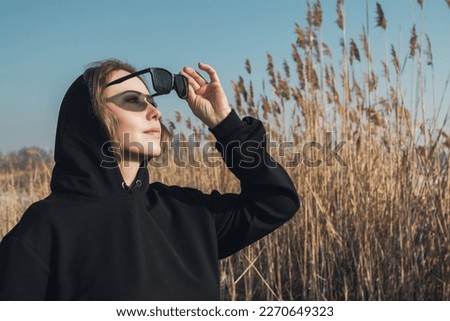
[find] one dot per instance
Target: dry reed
(375, 229)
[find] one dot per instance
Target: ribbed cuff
(227, 127)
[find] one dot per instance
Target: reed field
(371, 169)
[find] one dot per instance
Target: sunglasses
(163, 81)
(132, 100)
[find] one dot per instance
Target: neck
(129, 170)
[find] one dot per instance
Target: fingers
(192, 88)
(198, 85)
(210, 70)
(198, 78)
(194, 75)
(194, 84)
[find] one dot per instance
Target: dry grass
(376, 229)
(21, 188)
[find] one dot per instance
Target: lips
(153, 131)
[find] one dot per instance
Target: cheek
(130, 136)
(126, 131)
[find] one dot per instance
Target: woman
(106, 232)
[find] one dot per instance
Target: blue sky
(46, 44)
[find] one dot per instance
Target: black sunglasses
(132, 100)
(163, 81)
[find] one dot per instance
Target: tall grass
(21, 186)
(378, 228)
(373, 228)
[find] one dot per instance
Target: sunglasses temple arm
(134, 74)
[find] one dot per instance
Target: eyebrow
(133, 91)
(129, 91)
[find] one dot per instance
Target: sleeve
(268, 197)
(23, 275)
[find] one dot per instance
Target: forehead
(134, 83)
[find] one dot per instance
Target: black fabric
(91, 239)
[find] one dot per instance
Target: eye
(132, 98)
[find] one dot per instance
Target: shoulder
(35, 230)
(169, 191)
(191, 197)
(186, 195)
(37, 219)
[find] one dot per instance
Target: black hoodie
(93, 239)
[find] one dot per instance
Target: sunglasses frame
(147, 98)
(151, 70)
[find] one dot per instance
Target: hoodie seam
(29, 248)
(93, 199)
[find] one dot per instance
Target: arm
(23, 275)
(268, 198)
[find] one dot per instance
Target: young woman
(106, 232)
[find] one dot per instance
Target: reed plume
(429, 51)
(340, 20)
(381, 20)
(317, 15)
(413, 46)
(395, 60)
(354, 52)
(248, 66)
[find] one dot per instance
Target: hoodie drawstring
(137, 184)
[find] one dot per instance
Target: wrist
(219, 117)
(228, 128)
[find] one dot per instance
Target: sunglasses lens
(181, 86)
(162, 81)
(130, 100)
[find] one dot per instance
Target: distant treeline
(23, 158)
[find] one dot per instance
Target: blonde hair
(96, 77)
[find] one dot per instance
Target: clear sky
(46, 44)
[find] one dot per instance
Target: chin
(139, 152)
(152, 151)
(153, 154)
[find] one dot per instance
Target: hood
(82, 150)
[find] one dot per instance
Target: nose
(152, 112)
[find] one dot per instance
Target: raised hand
(207, 100)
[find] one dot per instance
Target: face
(139, 131)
